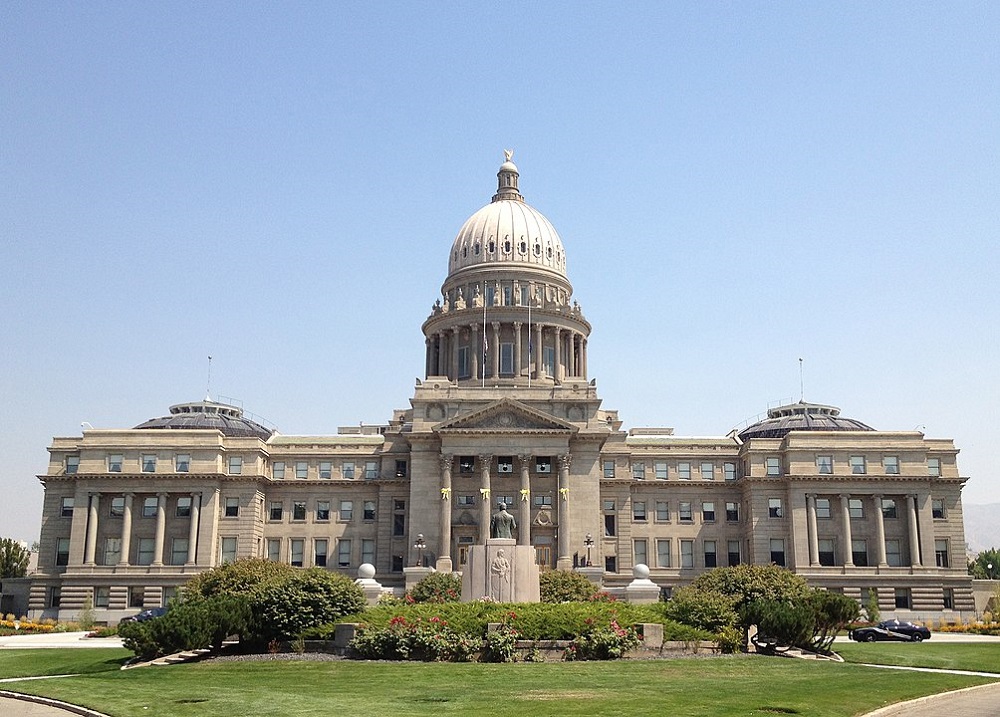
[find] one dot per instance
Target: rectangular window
(937, 508)
(826, 554)
(343, 553)
(232, 507)
(463, 367)
(102, 596)
(708, 512)
(347, 470)
(112, 551)
(276, 510)
(466, 464)
(638, 471)
(610, 563)
(368, 551)
(144, 551)
(72, 465)
(505, 464)
(298, 510)
(858, 465)
(684, 471)
(660, 470)
(662, 511)
(66, 510)
(663, 553)
(859, 553)
(893, 553)
(117, 506)
(824, 465)
(368, 511)
(888, 508)
(542, 501)
(319, 552)
(549, 360)
(711, 556)
(278, 470)
(325, 470)
(609, 525)
(62, 552)
(732, 512)
(322, 510)
(466, 501)
(149, 463)
(136, 596)
(933, 466)
(346, 510)
(149, 506)
(298, 552)
(115, 463)
(639, 552)
(774, 508)
(733, 548)
(609, 469)
(183, 509)
(729, 469)
(371, 470)
(274, 549)
(684, 514)
(823, 508)
(772, 466)
(891, 465)
(856, 508)
(902, 598)
(948, 597)
(301, 470)
(399, 520)
(708, 471)
(228, 550)
(543, 464)
(401, 469)
(778, 551)
(178, 551)
(639, 511)
(506, 359)
(397, 560)
(235, 465)
(687, 554)
(941, 553)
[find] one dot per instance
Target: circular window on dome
(475, 249)
(493, 247)
(523, 247)
(538, 249)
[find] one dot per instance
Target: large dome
(801, 416)
(507, 231)
(229, 420)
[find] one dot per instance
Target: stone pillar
(485, 500)
(538, 351)
(161, 528)
(524, 514)
(845, 522)
(557, 341)
(913, 535)
(583, 351)
(193, 529)
(444, 563)
(517, 349)
(126, 545)
(495, 351)
(90, 551)
(813, 532)
(564, 560)
(429, 356)
(453, 369)
(476, 349)
(880, 532)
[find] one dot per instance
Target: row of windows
(345, 512)
(324, 470)
(505, 464)
(320, 555)
(890, 508)
(859, 465)
(686, 553)
(116, 507)
(300, 469)
(661, 513)
(682, 470)
(147, 463)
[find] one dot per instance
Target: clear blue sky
(278, 184)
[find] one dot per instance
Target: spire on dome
(507, 180)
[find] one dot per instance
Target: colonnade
(916, 558)
(90, 546)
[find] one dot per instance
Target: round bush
(564, 586)
(437, 588)
(283, 607)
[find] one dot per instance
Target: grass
(976, 656)
(739, 685)
(29, 663)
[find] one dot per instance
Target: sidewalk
(56, 639)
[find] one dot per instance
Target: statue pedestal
(502, 571)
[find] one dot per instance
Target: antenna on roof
(208, 390)
(802, 389)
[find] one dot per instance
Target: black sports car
(891, 630)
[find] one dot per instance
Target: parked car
(145, 615)
(891, 630)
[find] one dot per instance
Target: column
(538, 351)
(429, 362)
(557, 340)
(813, 532)
(524, 514)
(913, 535)
(444, 564)
(192, 557)
(880, 532)
(564, 560)
(90, 551)
(126, 545)
(517, 349)
(845, 523)
(484, 494)
(476, 349)
(453, 369)
(583, 351)
(495, 351)
(161, 528)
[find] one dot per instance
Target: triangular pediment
(505, 416)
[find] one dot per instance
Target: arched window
(523, 247)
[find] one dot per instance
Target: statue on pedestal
(502, 523)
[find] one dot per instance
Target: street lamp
(420, 545)
(589, 542)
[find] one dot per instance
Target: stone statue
(477, 298)
(459, 300)
(502, 524)
(500, 578)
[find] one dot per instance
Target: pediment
(505, 416)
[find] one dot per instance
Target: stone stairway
(175, 659)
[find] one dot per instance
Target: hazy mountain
(982, 528)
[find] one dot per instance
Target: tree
(565, 586)
(750, 583)
(13, 559)
(986, 565)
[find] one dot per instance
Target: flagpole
(529, 335)
(485, 343)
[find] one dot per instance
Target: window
(937, 508)
(687, 554)
(638, 471)
(346, 509)
(611, 563)
(66, 511)
(826, 554)
(325, 470)
(639, 510)
(543, 501)
(662, 511)
(778, 551)
(823, 508)
(774, 508)
(609, 525)
(893, 554)
(948, 598)
(149, 506)
(301, 470)
(72, 465)
(708, 512)
(117, 506)
(733, 548)
(543, 464)
(136, 596)
(639, 552)
(397, 560)
(859, 553)
(660, 470)
(178, 551)
(888, 508)
(684, 471)
(235, 465)
(102, 596)
(322, 510)
(371, 470)
(824, 465)
(609, 469)
(506, 354)
(711, 557)
(144, 551)
(549, 361)
(505, 464)
(772, 466)
(466, 501)
(401, 469)
(278, 470)
(298, 551)
(855, 508)
(399, 519)
(933, 466)
(729, 470)
(466, 464)
(112, 551)
(276, 510)
(343, 553)
(368, 511)
(708, 471)
(858, 465)
(463, 369)
(319, 552)
(684, 514)
(232, 507)
(298, 510)
(663, 553)
(148, 463)
(183, 509)
(274, 549)
(941, 553)
(115, 463)
(368, 551)
(732, 512)
(902, 598)
(62, 552)
(891, 465)
(347, 470)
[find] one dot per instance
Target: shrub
(187, 626)
(604, 642)
(564, 586)
(238, 578)
(730, 640)
(501, 644)
(286, 605)
(751, 583)
(705, 609)
(436, 588)
(428, 640)
(831, 613)
(787, 624)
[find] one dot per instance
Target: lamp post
(589, 542)
(420, 545)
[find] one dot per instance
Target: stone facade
(506, 410)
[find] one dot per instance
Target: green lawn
(28, 663)
(741, 685)
(978, 656)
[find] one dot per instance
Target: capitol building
(507, 409)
